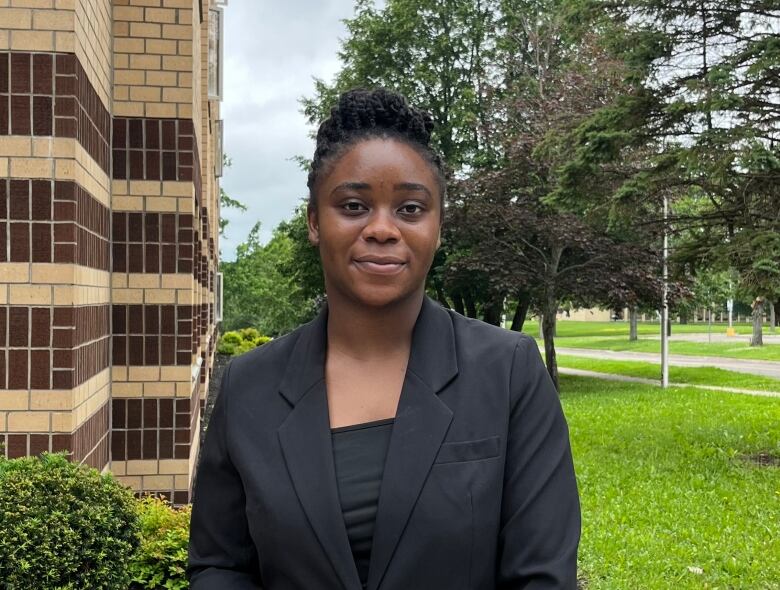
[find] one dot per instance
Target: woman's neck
(366, 333)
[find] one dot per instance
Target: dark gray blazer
(478, 490)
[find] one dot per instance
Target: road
(765, 368)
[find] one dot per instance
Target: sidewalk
(657, 382)
(751, 367)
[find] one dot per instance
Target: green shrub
(161, 559)
(242, 341)
(63, 526)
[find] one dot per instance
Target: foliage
(241, 341)
(257, 290)
(161, 559)
(225, 201)
(668, 499)
(63, 526)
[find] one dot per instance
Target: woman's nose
(381, 227)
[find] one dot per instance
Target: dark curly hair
(369, 114)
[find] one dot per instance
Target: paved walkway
(765, 368)
(613, 377)
(719, 336)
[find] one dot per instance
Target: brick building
(110, 147)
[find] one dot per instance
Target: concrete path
(657, 382)
(765, 368)
(719, 336)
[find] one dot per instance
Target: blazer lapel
(421, 423)
(307, 449)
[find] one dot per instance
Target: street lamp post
(665, 304)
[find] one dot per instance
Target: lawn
(692, 375)
(614, 336)
(668, 500)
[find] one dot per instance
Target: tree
(257, 291)
(699, 125)
(225, 201)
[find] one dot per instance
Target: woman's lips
(380, 267)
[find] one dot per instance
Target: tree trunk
(683, 317)
(633, 316)
(521, 311)
(471, 308)
(772, 316)
(493, 310)
(548, 329)
(457, 302)
(758, 315)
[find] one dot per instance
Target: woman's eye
(411, 209)
(353, 207)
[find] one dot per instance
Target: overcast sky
(272, 51)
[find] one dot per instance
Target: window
(219, 157)
(215, 53)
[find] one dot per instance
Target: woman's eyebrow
(412, 186)
(355, 186)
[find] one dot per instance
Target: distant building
(110, 148)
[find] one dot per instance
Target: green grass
(692, 375)
(663, 487)
(614, 336)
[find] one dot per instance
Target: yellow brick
(143, 373)
(65, 4)
(65, 41)
(154, 3)
(15, 146)
(127, 203)
(128, 109)
(173, 466)
(118, 467)
(63, 147)
(53, 20)
(176, 63)
(13, 399)
(145, 187)
(128, 45)
(185, 17)
(184, 297)
(142, 467)
(143, 281)
(144, 93)
(177, 3)
(31, 167)
(28, 422)
(160, 296)
(129, 76)
(121, 29)
(30, 295)
(126, 13)
(32, 41)
(184, 111)
(177, 32)
(161, 78)
(161, 204)
(177, 95)
(158, 389)
(176, 374)
(124, 390)
(64, 169)
(185, 48)
(48, 273)
(32, 3)
(160, 109)
(144, 30)
(161, 46)
(5, 36)
(121, 93)
(145, 62)
(127, 296)
(160, 15)
(131, 482)
(185, 80)
(181, 482)
(15, 272)
(158, 482)
(51, 400)
(15, 18)
(121, 60)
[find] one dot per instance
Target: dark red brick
(20, 73)
(17, 369)
(43, 72)
(40, 331)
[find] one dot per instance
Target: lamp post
(665, 304)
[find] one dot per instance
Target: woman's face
(376, 223)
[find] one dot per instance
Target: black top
(359, 453)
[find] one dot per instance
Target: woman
(390, 443)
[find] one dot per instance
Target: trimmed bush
(64, 526)
(242, 341)
(161, 559)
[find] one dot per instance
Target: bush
(242, 341)
(161, 559)
(63, 526)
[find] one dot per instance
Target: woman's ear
(313, 224)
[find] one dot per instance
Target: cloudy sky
(272, 51)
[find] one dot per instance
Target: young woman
(390, 443)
